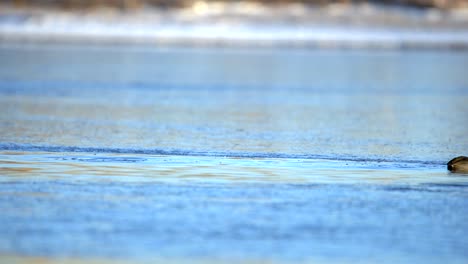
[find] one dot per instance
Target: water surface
(146, 154)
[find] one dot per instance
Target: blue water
(145, 154)
(278, 222)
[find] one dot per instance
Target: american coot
(458, 164)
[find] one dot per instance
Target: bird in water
(458, 164)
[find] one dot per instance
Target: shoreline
(313, 38)
(347, 27)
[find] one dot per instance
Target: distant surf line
(226, 154)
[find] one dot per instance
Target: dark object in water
(458, 164)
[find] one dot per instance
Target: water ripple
(180, 152)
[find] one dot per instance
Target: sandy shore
(244, 24)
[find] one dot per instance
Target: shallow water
(149, 154)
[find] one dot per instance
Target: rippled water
(192, 155)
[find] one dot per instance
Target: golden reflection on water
(120, 167)
(292, 122)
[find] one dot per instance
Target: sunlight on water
(323, 103)
(231, 155)
(137, 168)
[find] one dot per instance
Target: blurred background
(318, 23)
(129, 4)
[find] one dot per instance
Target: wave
(226, 154)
